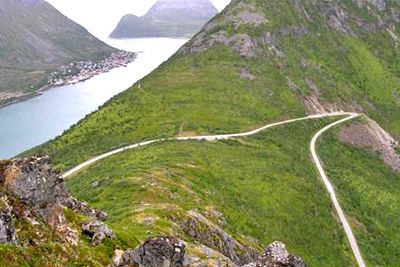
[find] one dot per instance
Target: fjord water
(29, 123)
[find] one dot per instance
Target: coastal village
(83, 70)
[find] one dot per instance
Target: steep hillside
(257, 62)
(36, 39)
(167, 18)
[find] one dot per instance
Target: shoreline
(87, 70)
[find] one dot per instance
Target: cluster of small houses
(83, 70)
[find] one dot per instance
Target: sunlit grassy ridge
(265, 186)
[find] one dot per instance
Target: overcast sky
(100, 17)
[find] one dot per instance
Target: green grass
(266, 187)
(369, 193)
(188, 94)
(203, 92)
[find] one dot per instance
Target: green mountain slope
(256, 62)
(228, 79)
(167, 18)
(35, 39)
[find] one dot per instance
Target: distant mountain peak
(167, 18)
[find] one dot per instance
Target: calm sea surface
(37, 120)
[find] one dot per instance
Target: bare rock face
(371, 136)
(8, 235)
(39, 190)
(38, 193)
(98, 231)
(205, 256)
(155, 252)
(34, 182)
(276, 255)
(83, 209)
(170, 252)
(211, 235)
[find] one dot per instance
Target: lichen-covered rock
(155, 252)
(8, 234)
(276, 255)
(205, 232)
(98, 231)
(84, 209)
(202, 256)
(34, 182)
(39, 195)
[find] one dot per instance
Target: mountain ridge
(35, 40)
(167, 18)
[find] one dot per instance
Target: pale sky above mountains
(100, 17)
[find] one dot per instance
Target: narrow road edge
(349, 233)
(205, 137)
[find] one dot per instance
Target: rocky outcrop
(337, 18)
(276, 255)
(240, 43)
(379, 4)
(38, 194)
(155, 252)
(98, 231)
(335, 15)
(34, 182)
(202, 256)
(84, 209)
(171, 252)
(205, 232)
(369, 135)
(8, 235)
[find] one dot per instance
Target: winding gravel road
(349, 233)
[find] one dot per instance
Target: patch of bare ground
(10, 95)
(246, 74)
(369, 135)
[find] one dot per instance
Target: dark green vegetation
(36, 39)
(167, 18)
(286, 58)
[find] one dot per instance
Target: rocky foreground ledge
(32, 192)
(170, 252)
